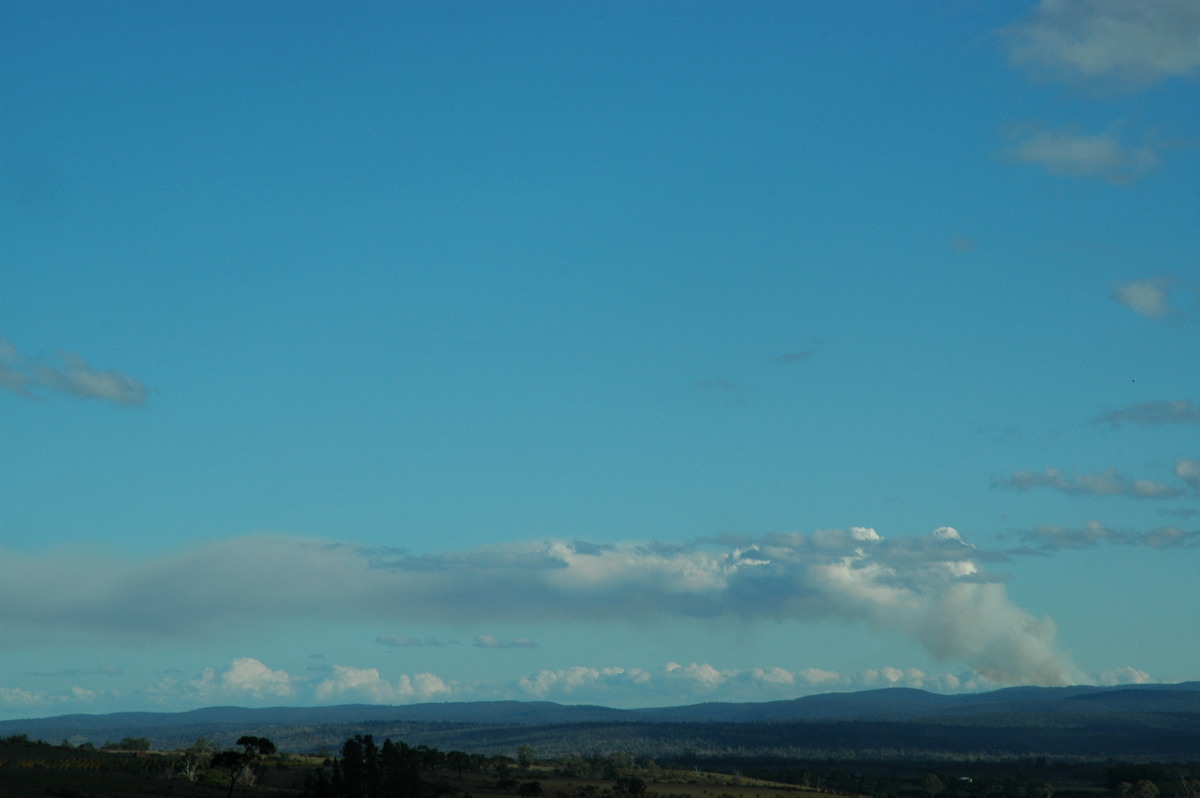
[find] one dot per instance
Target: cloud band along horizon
(929, 588)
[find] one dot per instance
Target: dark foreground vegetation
(363, 767)
(1132, 742)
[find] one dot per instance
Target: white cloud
(894, 677)
(358, 682)
(488, 641)
(706, 677)
(929, 588)
(676, 683)
(244, 680)
(27, 377)
(566, 682)
(817, 676)
(251, 677)
(1071, 154)
(365, 684)
(20, 697)
(697, 682)
(1113, 42)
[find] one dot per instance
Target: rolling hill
(1132, 721)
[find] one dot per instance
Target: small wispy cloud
(1152, 414)
(1105, 483)
(490, 641)
(1180, 512)
(1189, 472)
(1072, 154)
(795, 357)
(103, 670)
(31, 377)
(1050, 538)
(714, 384)
(1149, 298)
(74, 697)
(1108, 43)
(400, 641)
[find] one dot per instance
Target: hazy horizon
(635, 355)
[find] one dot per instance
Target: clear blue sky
(629, 353)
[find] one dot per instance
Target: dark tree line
(366, 770)
(394, 770)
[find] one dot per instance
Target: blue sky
(627, 353)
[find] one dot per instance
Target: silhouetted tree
(402, 770)
(237, 763)
(369, 771)
(458, 761)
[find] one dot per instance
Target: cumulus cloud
(1106, 483)
(365, 684)
(1152, 414)
(1049, 538)
(31, 377)
(1073, 154)
(249, 676)
(244, 679)
(1108, 42)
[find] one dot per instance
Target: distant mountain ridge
(1106, 720)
